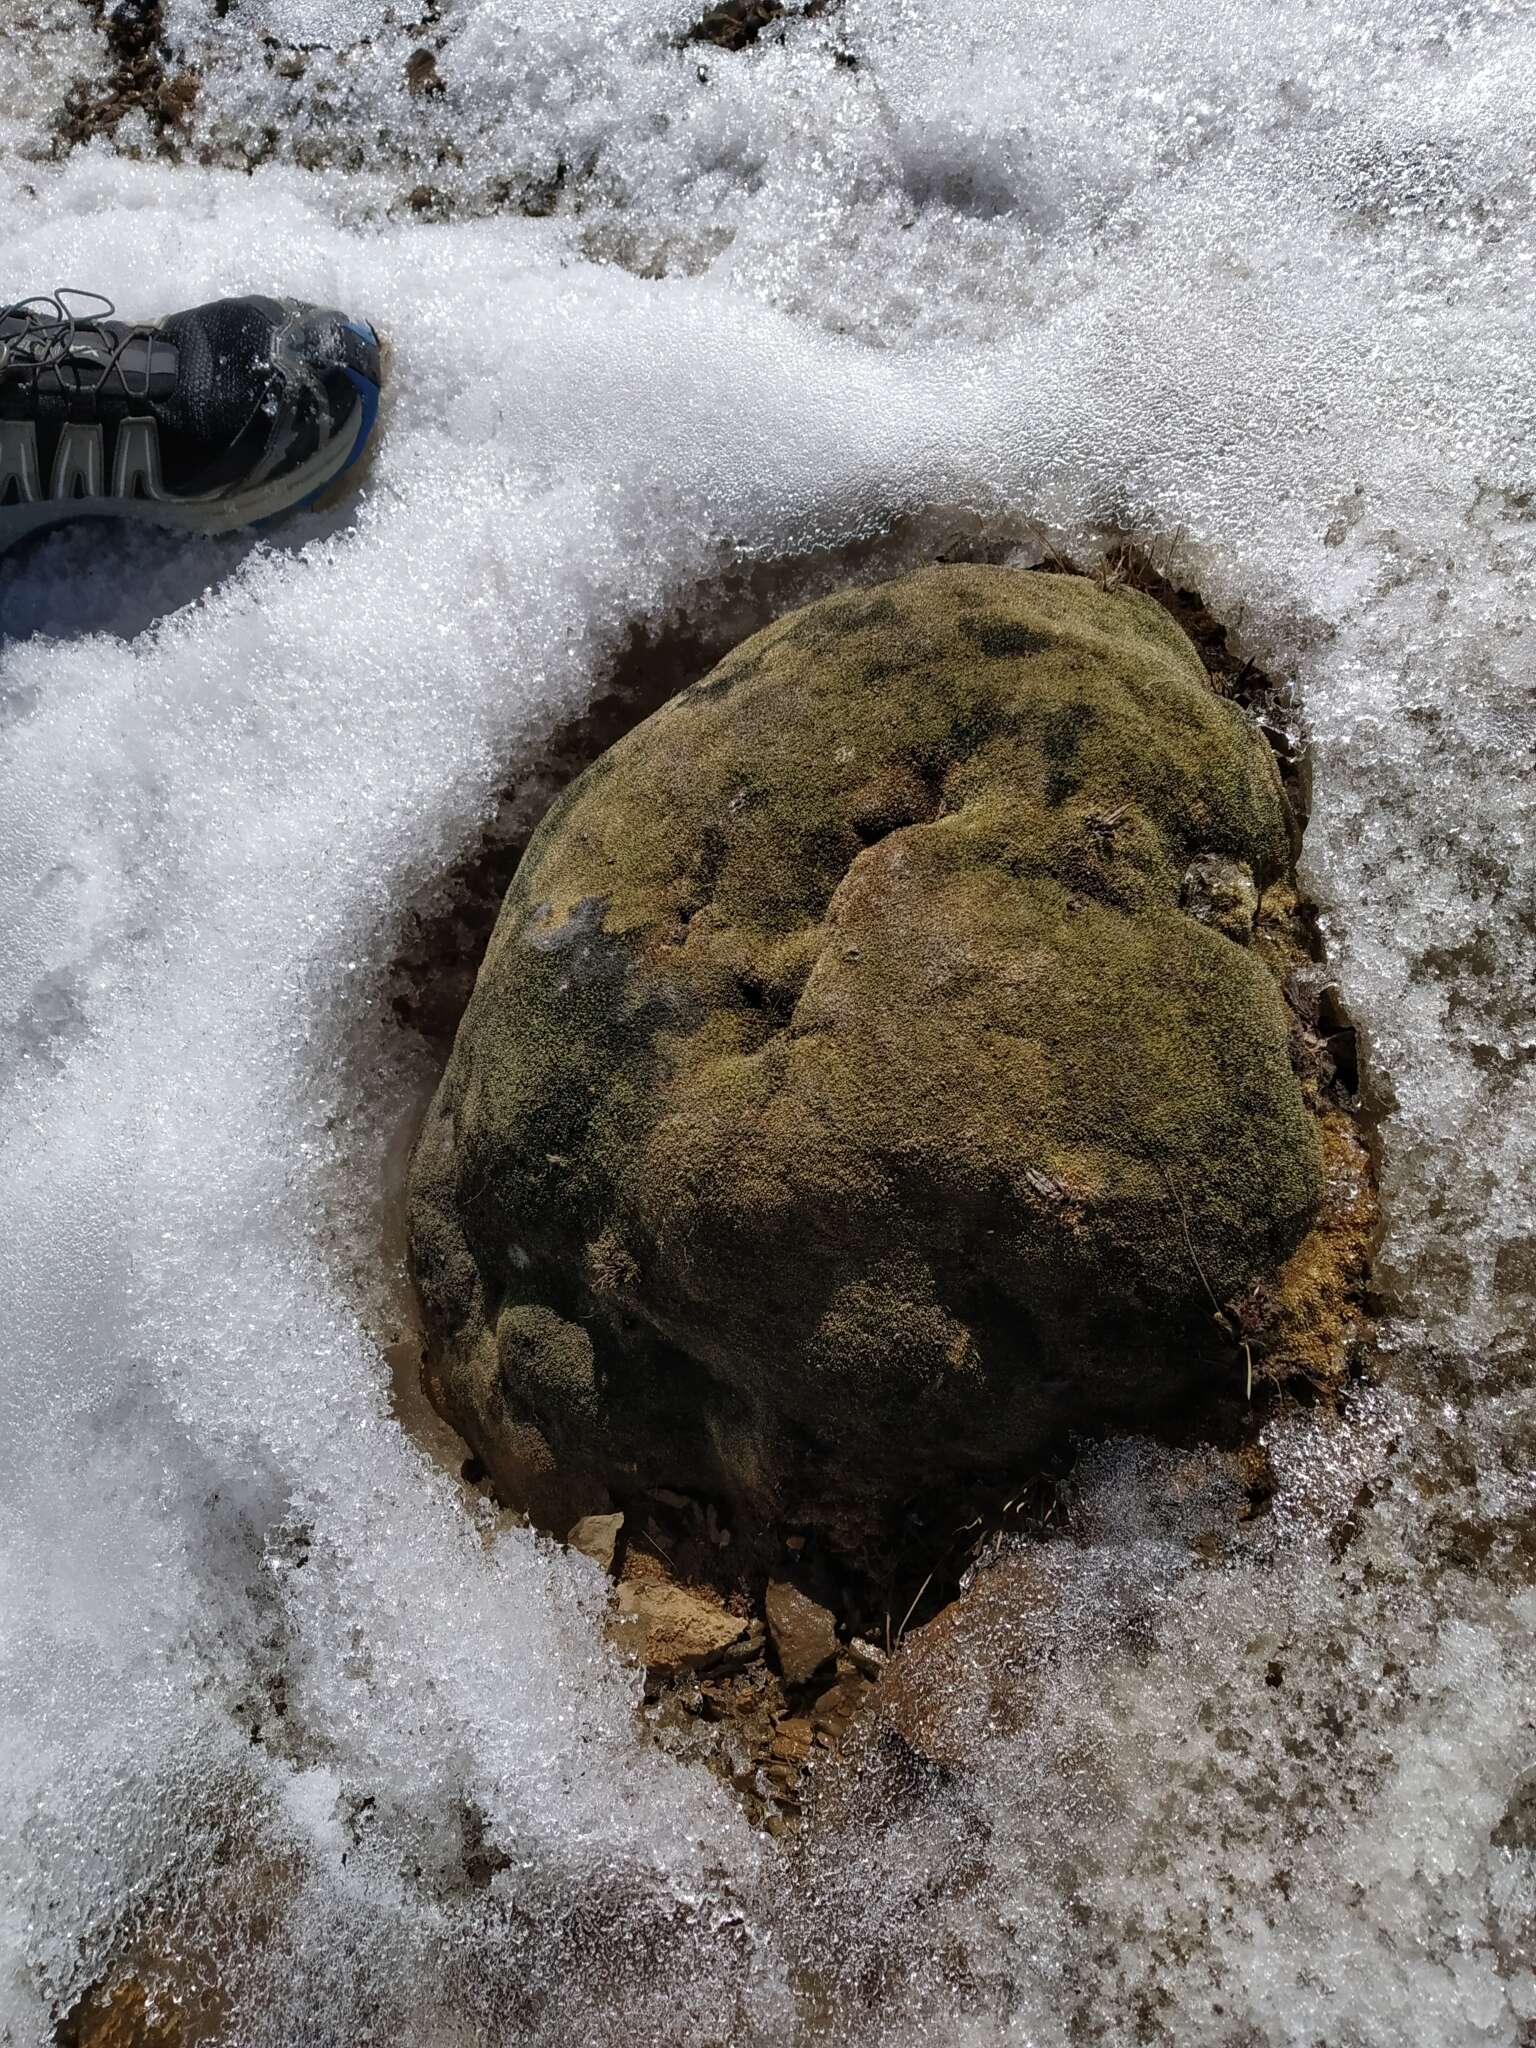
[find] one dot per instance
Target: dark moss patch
(444, 942)
(1062, 740)
(726, 677)
(1004, 638)
(859, 614)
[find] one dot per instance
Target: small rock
(804, 1635)
(668, 1499)
(736, 1656)
(836, 1707)
(597, 1537)
(969, 1675)
(421, 75)
(792, 1741)
(736, 24)
(869, 1658)
(626, 1630)
(683, 1627)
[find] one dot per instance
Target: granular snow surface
(285, 1731)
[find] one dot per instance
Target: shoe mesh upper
(240, 390)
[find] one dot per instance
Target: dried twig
(922, 1589)
(1189, 1243)
(1043, 539)
(1221, 1314)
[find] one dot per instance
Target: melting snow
(1252, 284)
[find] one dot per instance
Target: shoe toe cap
(329, 342)
(333, 357)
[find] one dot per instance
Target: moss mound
(860, 1087)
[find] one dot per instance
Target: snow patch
(1251, 287)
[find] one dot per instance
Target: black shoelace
(74, 348)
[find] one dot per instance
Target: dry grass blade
(1220, 1312)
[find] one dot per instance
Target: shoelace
(75, 347)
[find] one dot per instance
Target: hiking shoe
(210, 420)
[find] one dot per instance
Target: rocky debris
(720, 1690)
(597, 1537)
(760, 1735)
(792, 1740)
(761, 1723)
(784, 1698)
(671, 1629)
(835, 1708)
(862, 1107)
(137, 83)
(804, 1636)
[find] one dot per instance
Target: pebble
(804, 1635)
(597, 1537)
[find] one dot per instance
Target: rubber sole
(330, 474)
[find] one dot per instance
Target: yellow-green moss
(845, 1080)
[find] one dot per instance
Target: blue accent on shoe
(368, 393)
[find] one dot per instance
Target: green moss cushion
(846, 1098)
